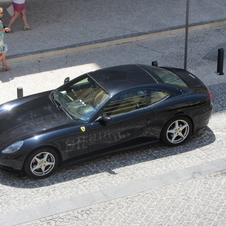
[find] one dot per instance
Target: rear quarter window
(127, 102)
(154, 96)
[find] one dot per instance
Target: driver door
(130, 123)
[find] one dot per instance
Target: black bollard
(154, 63)
(19, 92)
(220, 61)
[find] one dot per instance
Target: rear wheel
(176, 131)
(41, 163)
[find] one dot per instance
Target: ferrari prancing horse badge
(83, 128)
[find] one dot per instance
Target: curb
(111, 41)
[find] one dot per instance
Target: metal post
(19, 92)
(220, 61)
(186, 36)
(154, 63)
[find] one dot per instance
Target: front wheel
(41, 163)
(176, 131)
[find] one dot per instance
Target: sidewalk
(78, 25)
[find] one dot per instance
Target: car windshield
(165, 76)
(80, 98)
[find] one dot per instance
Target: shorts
(3, 49)
(18, 7)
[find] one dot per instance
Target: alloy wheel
(177, 131)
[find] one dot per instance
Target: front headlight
(13, 147)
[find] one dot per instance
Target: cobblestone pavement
(200, 201)
(196, 200)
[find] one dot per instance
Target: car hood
(29, 116)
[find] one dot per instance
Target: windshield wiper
(55, 102)
(59, 105)
(62, 108)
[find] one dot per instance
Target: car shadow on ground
(110, 162)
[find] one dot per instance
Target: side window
(154, 96)
(126, 102)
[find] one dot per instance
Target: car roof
(119, 78)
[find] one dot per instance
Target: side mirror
(102, 118)
(66, 80)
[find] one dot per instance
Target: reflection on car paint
(76, 143)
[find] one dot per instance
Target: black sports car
(99, 112)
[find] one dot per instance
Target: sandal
(6, 68)
(9, 31)
(27, 28)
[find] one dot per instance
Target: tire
(176, 131)
(41, 163)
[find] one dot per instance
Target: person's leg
(13, 18)
(4, 64)
(24, 18)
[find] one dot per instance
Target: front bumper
(11, 163)
(11, 170)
